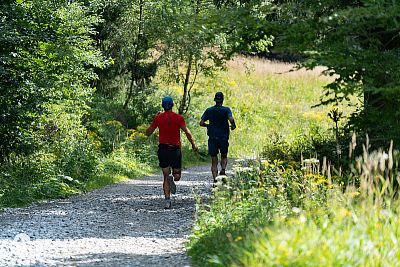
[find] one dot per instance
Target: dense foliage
(358, 42)
(47, 61)
(47, 64)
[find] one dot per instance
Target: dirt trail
(119, 225)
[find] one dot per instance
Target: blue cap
(167, 103)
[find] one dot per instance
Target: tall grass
(294, 219)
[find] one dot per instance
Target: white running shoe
(168, 204)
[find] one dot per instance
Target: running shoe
(172, 185)
(167, 204)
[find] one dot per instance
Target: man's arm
(204, 118)
(153, 125)
(189, 137)
(203, 123)
(150, 130)
(233, 124)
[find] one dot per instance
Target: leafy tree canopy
(46, 60)
(359, 42)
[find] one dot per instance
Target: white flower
(296, 210)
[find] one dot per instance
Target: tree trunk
(135, 58)
(130, 91)
(185, 98)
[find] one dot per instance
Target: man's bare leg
(214, 167)
(176, 176)
(166, 172)
(177, 173)
(224, 163)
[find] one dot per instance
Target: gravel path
(119, 225)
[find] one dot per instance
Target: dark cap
(219, 97)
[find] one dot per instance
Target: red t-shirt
(169, 123)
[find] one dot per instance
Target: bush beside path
(119, 225)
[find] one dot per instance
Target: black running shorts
(217, 145)
(169, 156)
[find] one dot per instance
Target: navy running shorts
(217, 145)
(169, 156)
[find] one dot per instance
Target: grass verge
(269, 214)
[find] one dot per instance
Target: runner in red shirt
(169, 149)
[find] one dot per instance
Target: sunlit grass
(345, 237)
(266, 98)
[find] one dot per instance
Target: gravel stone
(119, 225)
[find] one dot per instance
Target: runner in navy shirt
(219, 118)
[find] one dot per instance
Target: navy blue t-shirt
(218, 117)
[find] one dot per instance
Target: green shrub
(35, 178)
(78, 160)
(253, 198)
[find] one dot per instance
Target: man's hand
(233, 124)
(203, 123)
(190, 137)
(195, 148)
